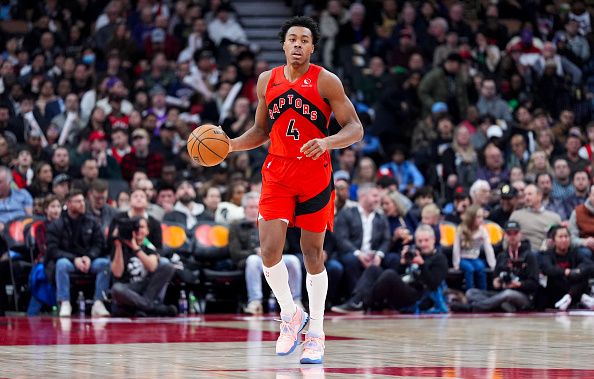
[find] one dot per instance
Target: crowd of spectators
(474, 115)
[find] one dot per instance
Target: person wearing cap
(108, 166)
(461, 203)
(490, 103)
(508, 201)
(567, 273)
(515, 278)
(142, 158)
(61, 186)
(436, 86)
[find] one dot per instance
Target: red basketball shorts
(298, 190)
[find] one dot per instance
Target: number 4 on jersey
(292, 131)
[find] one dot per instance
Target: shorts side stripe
(317, 202)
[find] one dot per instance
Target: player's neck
(293, 73)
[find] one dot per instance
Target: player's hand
(314, 148)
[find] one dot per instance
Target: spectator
(573, 143)
(70, 122)
(445, 84)
(153, 209)
(97, 204)
(494, 170)
(480, 193)
(581, 225)
(42, 181)
(567, 273)
(186, 210)
(107, 165)
(395, 211)
(562, 185)
(585, 151)
(490, 103)
(140, 277)
(229, 211)
(534, 220)
(224, 27)
(341, 191)
(120, 145)
(141, 158)
(75, 243)
(211, 201)
(403, 171)
(460, 159)
(15, 202)
(90, 172)
(539, 164)
(566, 122)
(461, 203)
(581, 184)
(515, 278)
(519, 156)
(166, 198)
(363, 235)
(508, 203)
(471, 236)
(61, 186)
(244, 246)
(379, 287)
(22, 174)
(545, 183)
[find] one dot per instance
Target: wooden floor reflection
(372, 346)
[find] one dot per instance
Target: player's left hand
(314, 148)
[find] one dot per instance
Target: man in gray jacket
(490, 103)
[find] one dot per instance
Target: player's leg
(272, 243)
(312, 244)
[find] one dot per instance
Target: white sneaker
(65, 309)
(564, 303)
(588, 301)
(299, 304)
(99, 310)
(254, 308)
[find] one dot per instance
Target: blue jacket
(405, 174)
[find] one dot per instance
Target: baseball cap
(512, 226)
(460, 193)
(61, 178)
(439, 107)
(140, 133)
(96, 135)
(508, 192)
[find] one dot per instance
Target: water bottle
(183, 303)
(81, 304)
(192, 304)
(271, 303)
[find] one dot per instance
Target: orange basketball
(208, 145)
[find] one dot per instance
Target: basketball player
(294, 108)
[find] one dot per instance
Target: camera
(126, 227)
(410, 254)
(507, 277)
(413, 272)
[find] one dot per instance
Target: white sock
(277, 277)
(317, 287)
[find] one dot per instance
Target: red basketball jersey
(296, 111)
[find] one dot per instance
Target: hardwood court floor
(535, 346)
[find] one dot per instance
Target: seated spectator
(585, 151)
(519, 155)
(211, 202)
(431, 215)
(534, 220)
(471, 236)
(567, 273)
(363, 236)
(379, 287)
(89, 172)
(75, 243)
(581, 226)
(61, 162)
(366, 172)
(395, 212)
(120, 146)
(562, 184)
(341, 191)
(508, 203)
(423, 197)
(480, 193)
(461, 203)
(460, 159)
(403, 171)
(573, 143)
(42, 180)
(97, 206)
(166, 198)
(153, 209)
(22, 174)
(493, 171)
(244, 246)
(186, 210)
(141, 158)
(140, 276)
(52, 210)
(539, 164)
(15, 202)
(61, 186)
(581, 184)
(108, 166)
(515, 278)
(490, 103)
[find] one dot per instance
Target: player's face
(298, 45)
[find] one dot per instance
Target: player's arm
(351, 130)
(257, 134)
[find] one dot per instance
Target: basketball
(208, 145)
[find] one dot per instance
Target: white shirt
(367, 222)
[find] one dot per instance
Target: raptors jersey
(296, 112)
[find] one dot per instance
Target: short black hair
(306, 22)
(73, 193)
